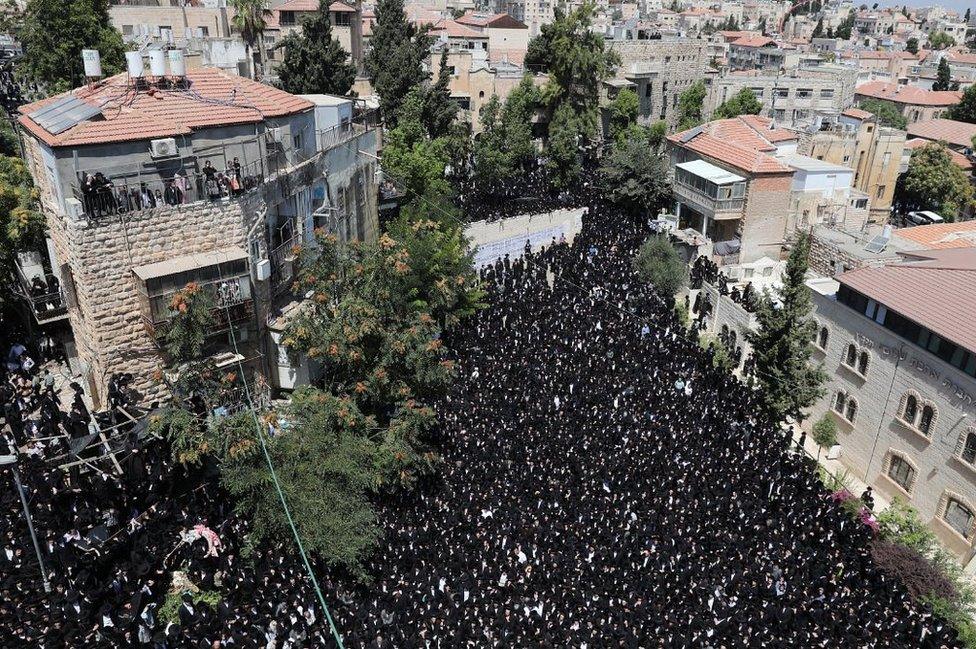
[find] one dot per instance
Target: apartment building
(902, 382)
(855, 140)
(659, 71)
(199, 177)
(799, 99)
(346, 20)
(916, 104)
(872, 65)
(506, 35)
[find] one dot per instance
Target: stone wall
(764, 220)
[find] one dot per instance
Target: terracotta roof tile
(213, 98)
(857, 113)
(951, 132)
(734, 155)
(753, 41)
(936, 289)
(941, 235)
(961, 161)
(908, 94)
(454, 29)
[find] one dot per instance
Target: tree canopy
(743, 102)
(622, 114)
(659, 263)
(935, 182)
(780, 342)
(414, 160)
(251, 20)
(887, 112)
(941, 40)
(21, 221)
(505, 146)
(314, 61)
(396, 59)
(634, 175)
(690, 105)
(943, 77)
(965, 110)
(53, 33)
(440, 110)
(911, 45)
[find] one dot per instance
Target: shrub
(919, 575)
(659, 263)
(825, 432)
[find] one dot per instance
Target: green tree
(53, 33)
(780, 342)
(690, 105)
(845, 28)
(492, 164)
(634, 175)
(743, 102)
(658, 263)
(721, 359)
(622, 113)
(440, 110)
(314, 61)
(567, 131)
(818, 31)
(825, 432)
(887, 113)
(192, 320)
(397, 56)
(940, 41)
(911, 45)
(251, 20)
(21, 221)
(9, 141)
(943, 76)
(415, 162)
(762, 25)
(965, 110)
(935, 182)
(506, 146)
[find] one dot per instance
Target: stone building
(916, 104)
(659, 71)
(346, 20)
(799, 99)
(899, 346)
(209, 178)
(874, 152)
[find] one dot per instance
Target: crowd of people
(603, 485)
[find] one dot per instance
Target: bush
(658, 262)
(825, 432)
(721, 359)
(920, 576)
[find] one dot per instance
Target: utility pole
(12, 461)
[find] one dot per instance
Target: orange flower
(360, 387)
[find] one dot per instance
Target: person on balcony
(172, 195)
(146, 199)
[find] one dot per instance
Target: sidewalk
(838, 469)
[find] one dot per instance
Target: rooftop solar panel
(58, 116)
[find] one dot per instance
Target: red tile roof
(503, 21)
(753, 41)
(941, 235)
(857, 113)
(961, 161)
(953, 133)
(214, 98)
(936, 289)
(908, 94)
(731, 153)
(454, 29)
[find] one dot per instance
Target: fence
(103, 197)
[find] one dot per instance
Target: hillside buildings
(916, 104)
(200, 177)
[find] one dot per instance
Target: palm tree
(249, 20)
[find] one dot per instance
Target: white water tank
(157, 63)
(177, 63)
(133, 63)
(93, 63)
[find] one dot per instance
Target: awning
(710, 172)
(189, 262)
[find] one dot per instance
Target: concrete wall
(184, 22)
(764, 221)
(897, 367)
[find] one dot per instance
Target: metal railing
(103, 197)
(713, 204)
(283, 264)
(43, 294)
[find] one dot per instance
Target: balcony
(105, 198)
(710, 190)
(41, 291)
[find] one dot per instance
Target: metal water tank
(134, 64)
(93, 63)
(157, 63)
(177, 63)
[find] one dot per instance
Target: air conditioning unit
(263, 270)
(164, 148)
(276, 134)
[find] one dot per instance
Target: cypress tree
(314, 61)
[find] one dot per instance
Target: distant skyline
(955, 5)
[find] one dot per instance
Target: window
(127, 30)
(342, 19)
(297, 141)
(925, 422)
(804, 93)
(886, 158)
(824, 336)
(781, 93)
(901, 472)
(959, 517)
(839, 400)
(881, 191)
(862, 364)
(827, 93)
(910, 411)
(968, 453)
(851, 414)
(851, 358)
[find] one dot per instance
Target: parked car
(922, 218)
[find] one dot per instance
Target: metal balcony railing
(43, 294)
(727, 206)
(103, 197)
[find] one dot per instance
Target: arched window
(911, 410)
(958, 516)
(839, 400)
(925, 423)
(851, 410)
(733, 338)
(725, 330)
(969, 449)
(824, 335)
(901, 472)
(862, 364)
(851, 355)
